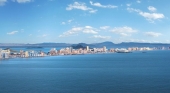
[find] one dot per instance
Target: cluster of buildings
(7, 53)
(71, 51)
(87, 50)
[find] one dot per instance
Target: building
(42, 54)
(4, 53)
(22, 53)
(71, 50)
(112, 50)
(87, 48)
(53, 52)
(26, 54)
(104, 49)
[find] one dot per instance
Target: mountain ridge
(101, 44)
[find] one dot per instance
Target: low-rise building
(4, 53)
(112, 50)
(26, 54)
(53, 52)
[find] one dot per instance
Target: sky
(84, 21)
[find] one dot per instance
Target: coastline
(79, 54)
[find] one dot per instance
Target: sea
(136, 72)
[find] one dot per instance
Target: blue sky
(88, 21)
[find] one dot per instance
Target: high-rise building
(104, 49)
(6, 55)
(87, 48)
(22, 53)
(71, 49)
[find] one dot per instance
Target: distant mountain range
(97, 45)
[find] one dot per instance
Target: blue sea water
(135, 72)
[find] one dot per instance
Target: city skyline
(88, 21)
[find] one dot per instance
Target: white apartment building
(104, 49)
(4, 53)
(87, 48)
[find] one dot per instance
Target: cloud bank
(147, 15)
(12, 33)
(97, 4)
(80, 6)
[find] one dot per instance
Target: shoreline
(78, 54)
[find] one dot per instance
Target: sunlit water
(98, 73)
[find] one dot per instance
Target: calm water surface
(99, 73)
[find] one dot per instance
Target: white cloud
(89, 30)
(22, 31)
(63, 23)
(124, 34)
(23, 1)
(167, 41)
(101, 37)
(152, 16)
(2, 2)
(149, 16)
(138, 1)
(153, 34)
(128, 5)
(152, 9)
(42, 36)
(103, 6)
(133, 10)
(30, 35)
(76, 30)
(67, 22)
(123, 31)
(105, 27)
(93, 11)
(88, 27)
(73, 31)
(80, 6)
(12, 33)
